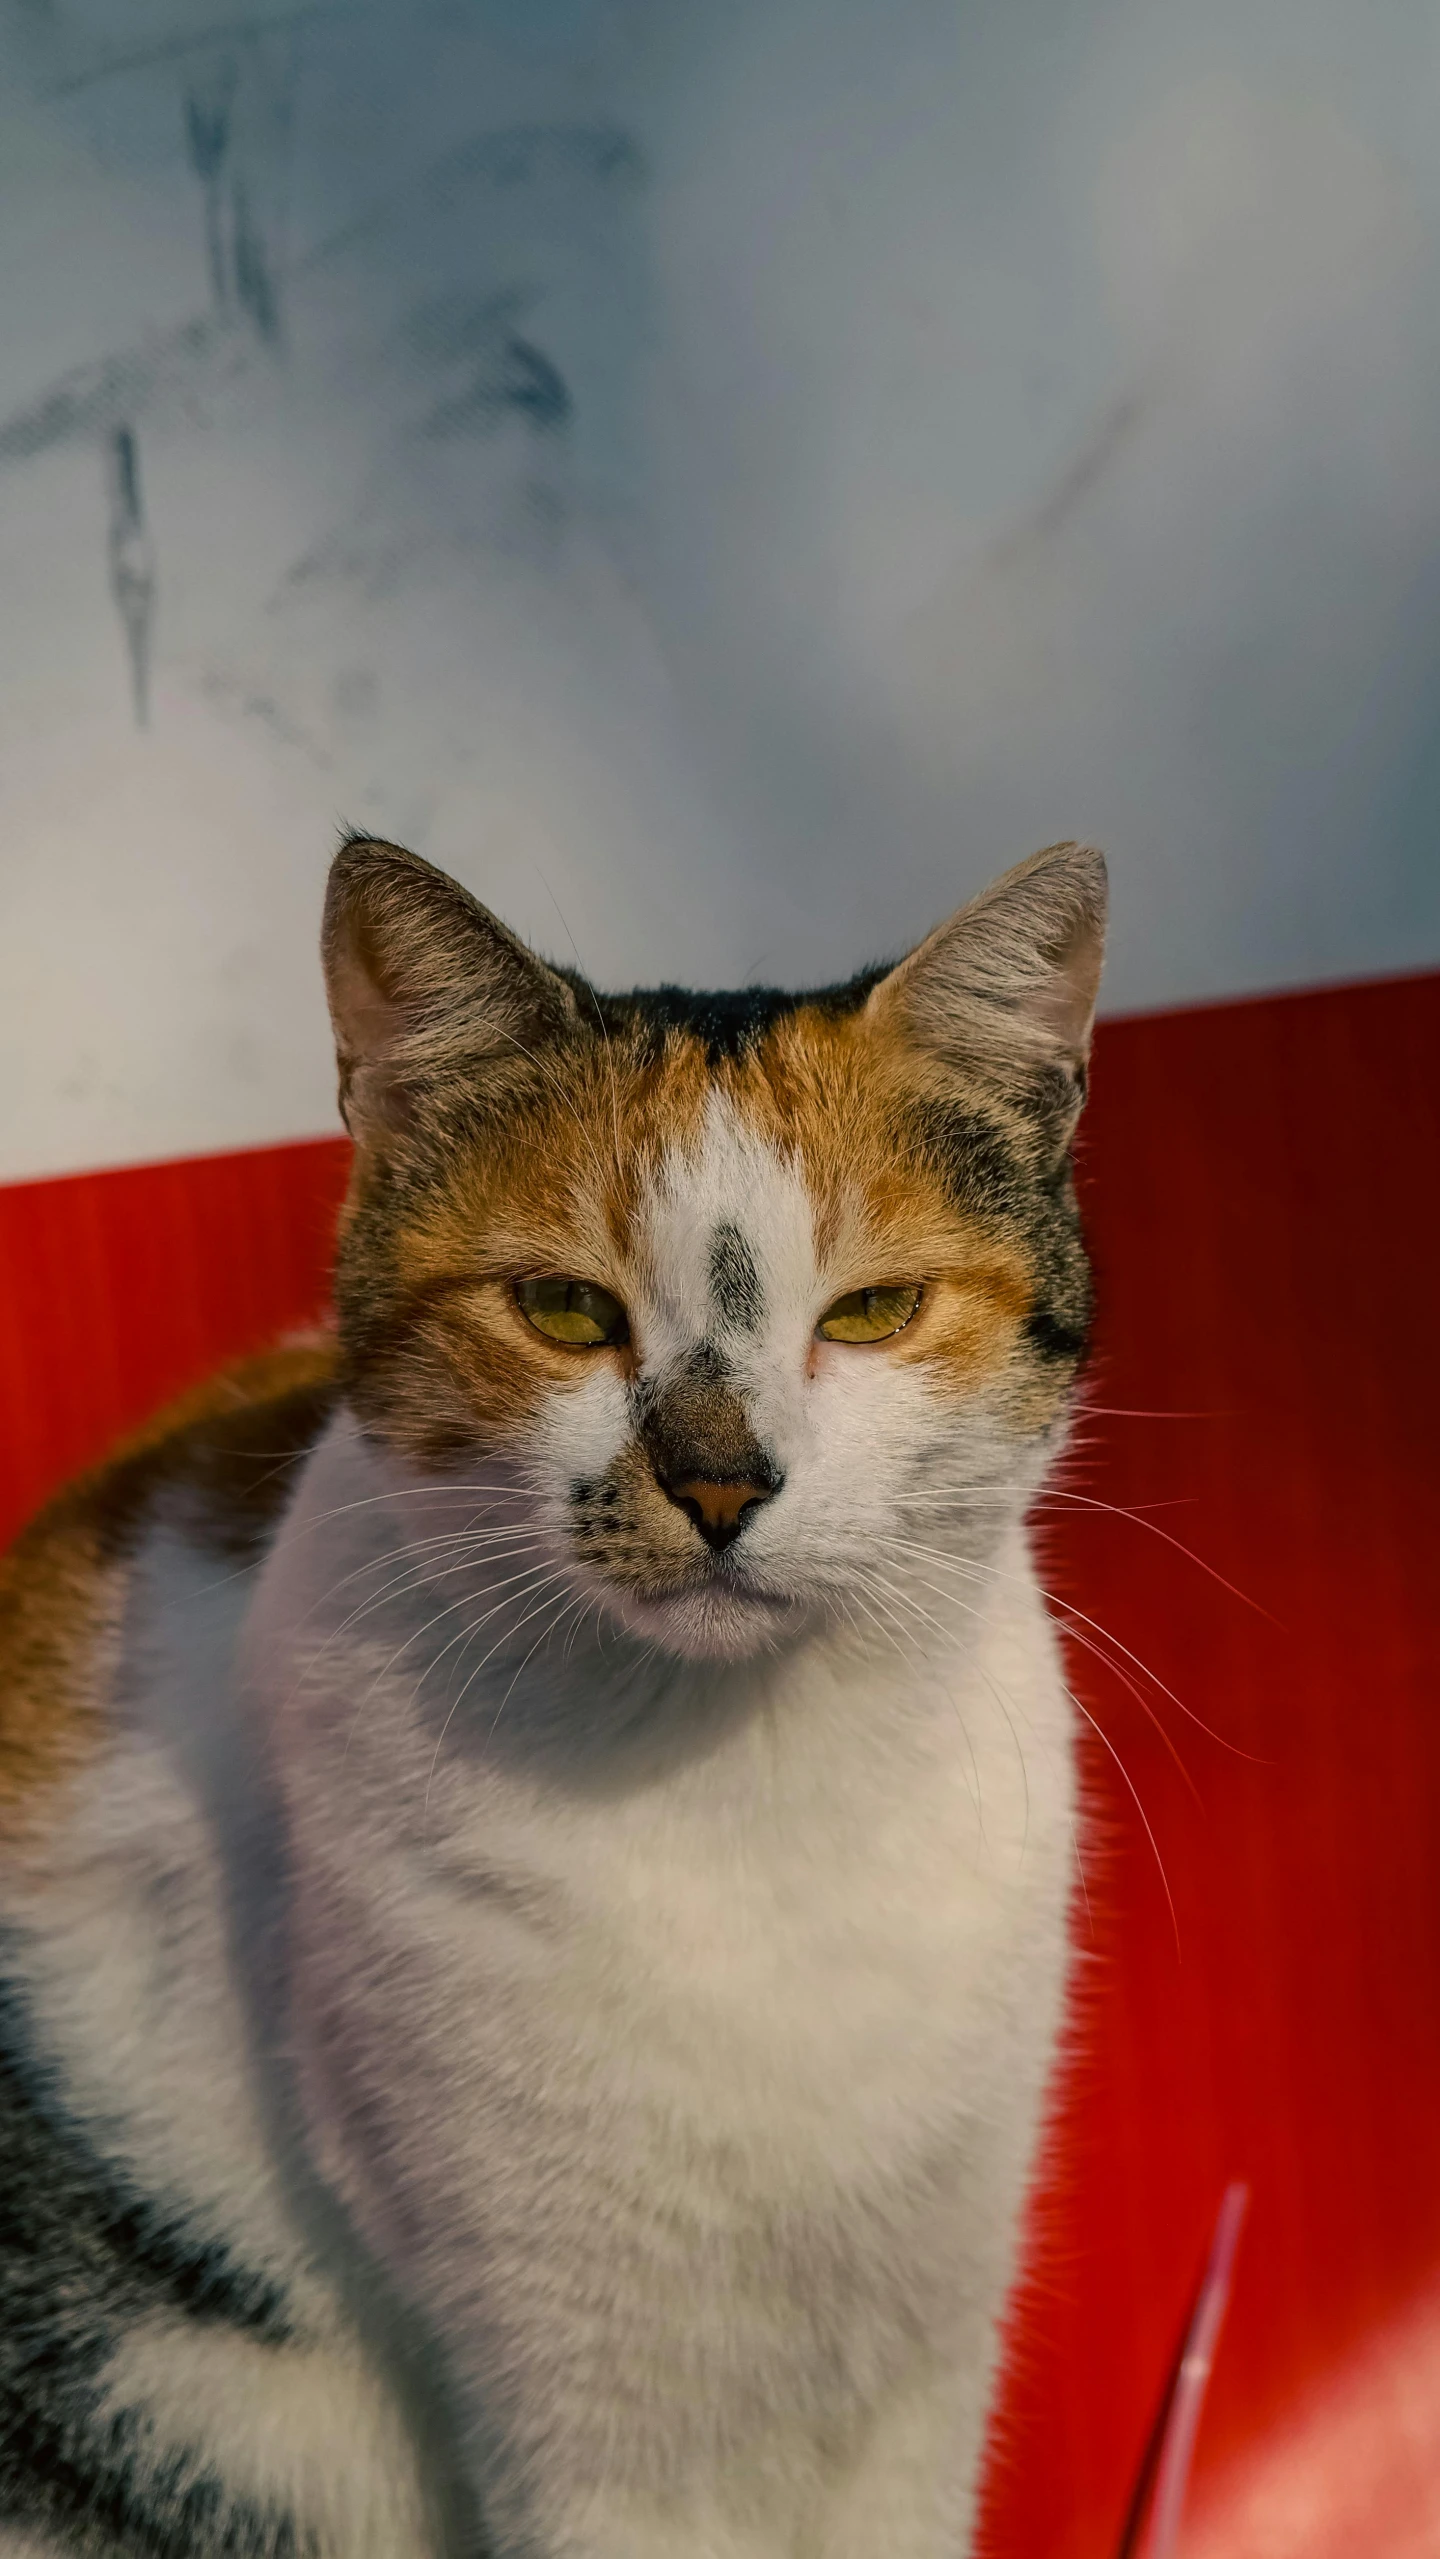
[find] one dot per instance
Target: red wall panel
(120, 1289)
(1261, 1187)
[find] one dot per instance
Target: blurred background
(725, 481)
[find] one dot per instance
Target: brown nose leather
(718, 1510)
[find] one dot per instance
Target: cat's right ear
(423, 982)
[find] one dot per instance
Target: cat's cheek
(865, 1424)
(867, 1412)
(579, 1430)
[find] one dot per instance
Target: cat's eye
(868, 1314)
(572, 1311)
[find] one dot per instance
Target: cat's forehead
(749, 1149)
(723, 1180)
(726, 1174)
(724, 1234)
(758, 1174)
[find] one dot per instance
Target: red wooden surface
(1261, 1186)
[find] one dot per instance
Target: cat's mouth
(721, 1615)
(719, 1578)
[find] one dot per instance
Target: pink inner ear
(1066, 1007)
(369, 1029)
(1012, 979)
(368, 1025)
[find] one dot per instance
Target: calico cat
(538, 1835)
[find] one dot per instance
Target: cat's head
(750, 1290)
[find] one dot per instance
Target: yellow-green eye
(573, 1311)
(868, 1315)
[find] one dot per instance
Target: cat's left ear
(1006, 989)
(425, 985)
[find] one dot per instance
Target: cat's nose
(719, 1511)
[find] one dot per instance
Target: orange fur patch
(833, 1093)
(551, 1181)
(231, 1444)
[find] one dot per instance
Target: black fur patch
(735, 1289)
(1052, 1337)
(727, 1022)
(987, 1171)
(975, 1158)
(82, 2259)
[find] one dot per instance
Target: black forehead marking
(726, 1022)
(735, 1290)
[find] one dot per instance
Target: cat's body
(530, 2007)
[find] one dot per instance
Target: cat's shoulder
(222, 1462)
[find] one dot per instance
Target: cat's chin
(719, 1622)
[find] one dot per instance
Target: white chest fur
(688, 2087)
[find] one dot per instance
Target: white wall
(722, 479)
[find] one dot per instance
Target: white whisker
(465, 1599)
(1069, 1614)
(470, 1682)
